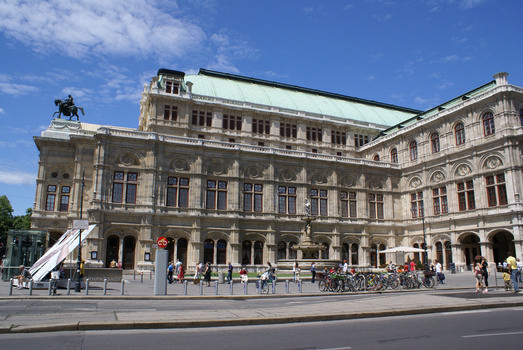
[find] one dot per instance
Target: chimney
(501, 78)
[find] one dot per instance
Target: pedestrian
(478, 273)
(170, 272)
(412, 266)
(520, 267)
(229, 273)
(177, 266)
(244, 278)
(207, 274)
(181, 273)
(513, 266)
(345, 267)
(296, 271)
(23, 277)
(313, 271)
(439, 272)
(484, 269)
(506, 279)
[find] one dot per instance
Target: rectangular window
(318, 202)
(360, 140)
(288, 130)
(439, 200)
(170, 113)
(466, 199)
(172, 87)
(130, 193)
(253, 197)
(120, 182)
(338, 138)
(261, 126)
(177, 192)
(201, 118)
(118, 187)
(286, 200)
(64, 198)
(231, 122)
(376, 206)
(416, 205)
(51, 197)
(216, 195)
(496, 190)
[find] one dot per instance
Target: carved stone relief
(288, 174)
(437, 177)
(180, 164)
(493, 162)
(415, 182)
(348, 181)
(463, 170)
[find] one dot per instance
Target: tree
(6, 218)
(23, 222)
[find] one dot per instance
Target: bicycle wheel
(428, 282)
(322, 285)
(264, 287)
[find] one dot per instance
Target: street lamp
(79, 261)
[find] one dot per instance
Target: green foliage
(6, 218)
(8, 221)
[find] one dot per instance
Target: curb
(80, 326)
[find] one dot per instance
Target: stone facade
(226, 179)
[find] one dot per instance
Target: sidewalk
(222, 309)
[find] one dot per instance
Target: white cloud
(1, 111)
(8, 87)
(17, 178)
(84, 27)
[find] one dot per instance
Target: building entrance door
(129, 243)
(113, 244)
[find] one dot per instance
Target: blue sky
(415, 54)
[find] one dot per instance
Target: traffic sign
(81, 224)
(162, 242)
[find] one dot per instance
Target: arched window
(459, 132)
(376, 157)
(354, 254)
(345, 251)
(293, 254)
(221, 252)
(434, 142)
(488, 124)
(208, 251)
(325, 251)
(393, 155)
(246, 252)
(413, 147)
(258, 253)
(282, 251)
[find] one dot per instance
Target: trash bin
(221, 277)
(452, 267)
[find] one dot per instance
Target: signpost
(160, 272)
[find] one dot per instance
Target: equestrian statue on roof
(67, 108)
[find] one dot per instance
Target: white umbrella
(402, 249)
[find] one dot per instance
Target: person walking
(484, 269)
(181, 273)
(207, 274)
(296, 271)
(513, 266)
(170, 272)
(313, 271)
(439, 272)
(478, 273)
(229, 273)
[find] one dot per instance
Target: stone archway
(129, 245)
(471, 248)
(111, 252)
(502, 246)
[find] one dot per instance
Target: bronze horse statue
(67, 108)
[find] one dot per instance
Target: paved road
(139, 308)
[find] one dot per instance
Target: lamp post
(79, 261)
(425, 253)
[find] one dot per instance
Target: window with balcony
(338, 138)
(360, 140)
(231, 122)
(288, 130)
(261, 126)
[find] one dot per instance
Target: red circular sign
(162, 242)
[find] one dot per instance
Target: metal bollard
(216, 287)
(299, 286)
(87, 286)
(185, 283)
(141, 277)
(286, 286)
(231, 288)
(68, 286)
(150, 275)
(105, 286)
(201, 287)
(123, 286)
(273, 287)
(134, 275)
(50, 286)
(31, 287)
(11, 286)
(246, 288)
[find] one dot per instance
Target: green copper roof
(267, 93)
